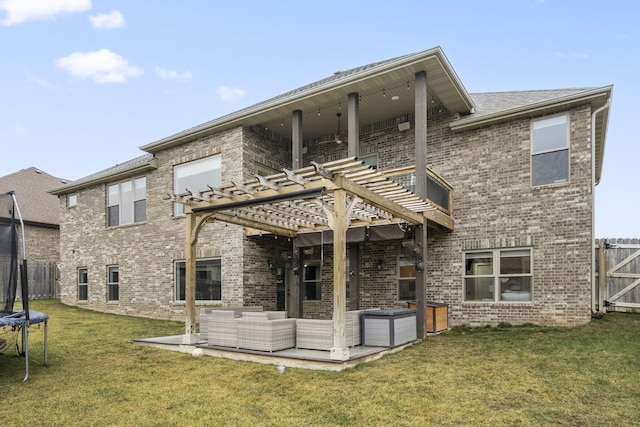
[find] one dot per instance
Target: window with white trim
(83, 284)
(208, 280)
(127, 202)
(72, 200)
(196, 176)
(499, 275)
(550, 150)
(113, 283)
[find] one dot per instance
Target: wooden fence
(42, 278)
(618, 288)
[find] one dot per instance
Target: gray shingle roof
(494, 102)
(31, 187)
(135, 165)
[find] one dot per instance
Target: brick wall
(43, 243)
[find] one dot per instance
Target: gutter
(594, 182)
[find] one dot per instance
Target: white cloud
(103, 66)
(19, 11)
(107, 22)
(173, 75)
(230, 94)
(561, 55)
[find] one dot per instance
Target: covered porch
(334, 201)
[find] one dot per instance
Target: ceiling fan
(340, 137)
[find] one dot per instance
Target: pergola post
(339, 351)
(190, 336)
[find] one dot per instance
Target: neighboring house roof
(31, 188)
(122, 170)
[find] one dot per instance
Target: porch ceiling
(386, 91)
(298, 201)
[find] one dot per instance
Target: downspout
(593, 203)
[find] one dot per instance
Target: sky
(85, 83)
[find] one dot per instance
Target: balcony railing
(439, 192)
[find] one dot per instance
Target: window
(507, 270)
(195, 176)
(208, 280)
(113, 283)
(127, 202)
(550, 151)
(83, 284)
(406, 279)
(72, 200)
(312, 281)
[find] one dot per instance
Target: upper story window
(72, 200)
(195, 176)
(550, 150)
(499, 275)
(127, 202)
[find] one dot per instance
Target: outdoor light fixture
(270, 263)
(379, 265)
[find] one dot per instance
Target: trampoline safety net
(13, 262)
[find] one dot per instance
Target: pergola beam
(373, 198)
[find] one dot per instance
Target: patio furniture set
(250, 328)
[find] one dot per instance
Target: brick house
(39, 209)
(511, 176)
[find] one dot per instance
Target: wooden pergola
(331, 196)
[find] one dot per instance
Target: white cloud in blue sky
(173, 75)
(103, 66)
(107, 22)
(230, 94)
(20, 11)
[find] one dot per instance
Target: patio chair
(317, 334)
(223, 328)
(266, 331)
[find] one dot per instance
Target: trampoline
(13, 270)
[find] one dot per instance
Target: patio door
(284, 301)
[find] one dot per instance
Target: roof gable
(31, 187)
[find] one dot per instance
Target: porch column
(421, 134)
(421, 191)
(339, 351)
(353, 125)
(297, 293)
(354, 281)
(296, 140)
(190, 278)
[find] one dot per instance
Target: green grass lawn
(511, 376)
